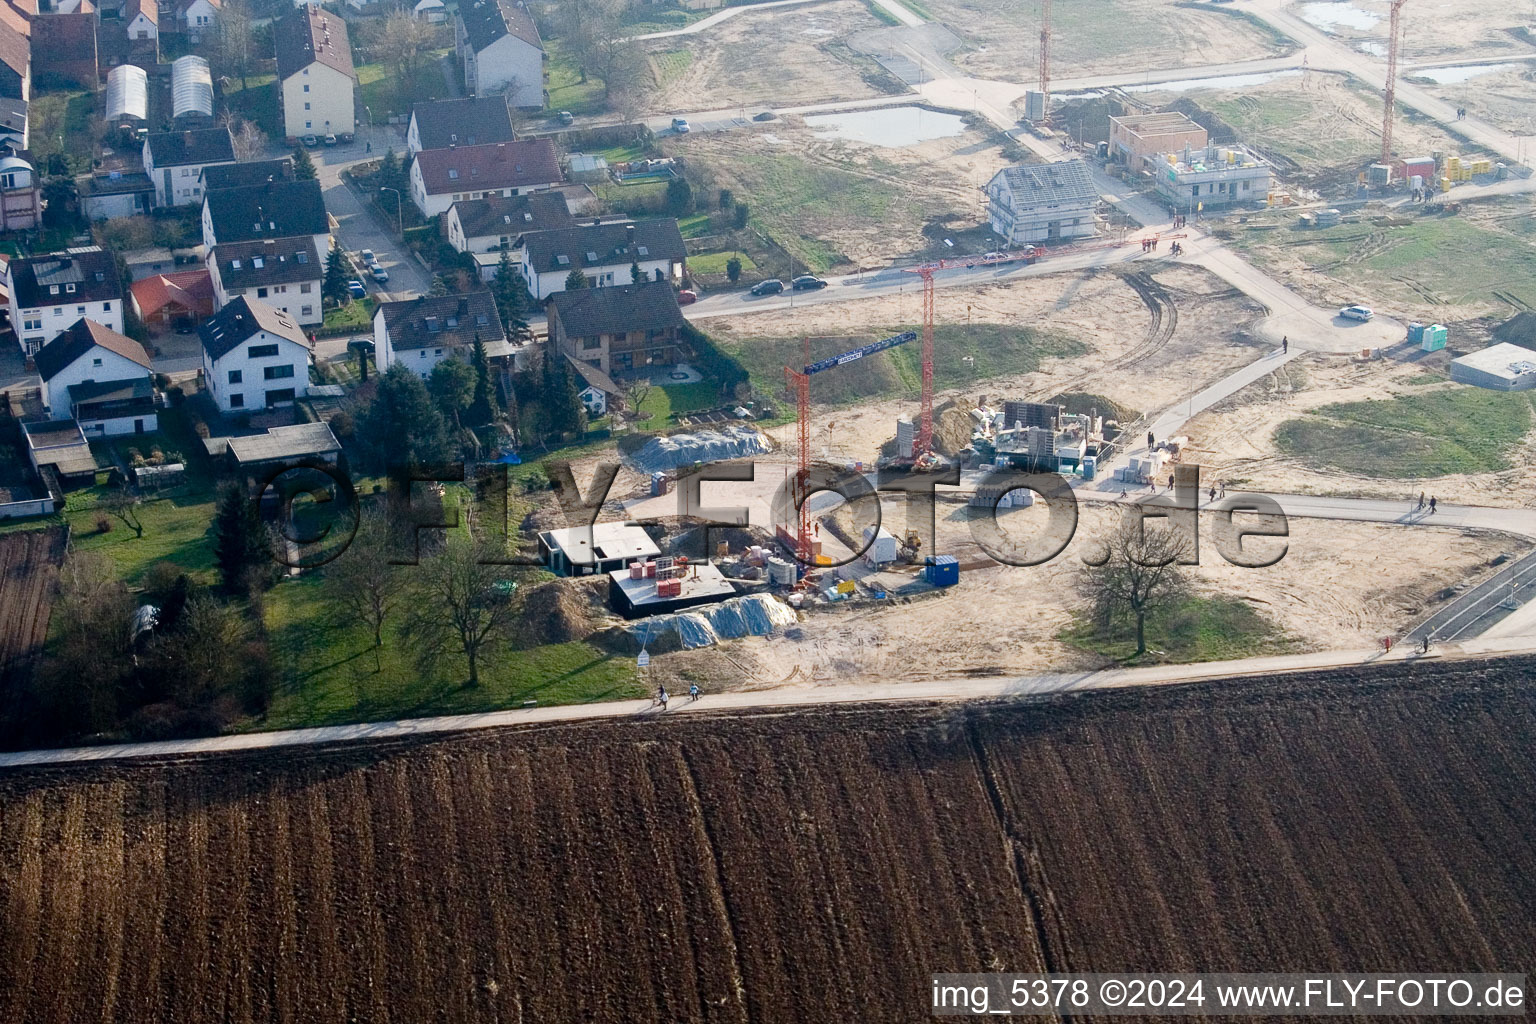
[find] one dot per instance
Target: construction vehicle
(911, 548)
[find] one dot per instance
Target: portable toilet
(1090, 466)
(1435, 337)
(1415, 333)
(942, 570)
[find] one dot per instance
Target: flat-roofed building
(1136, 138)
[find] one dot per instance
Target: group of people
(1421, 195)
(1178, 220)
(1176, 249)
(1420, 507)
(662, 696)
(1149, 244)
(1461, 113)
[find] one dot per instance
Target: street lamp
(399, 216)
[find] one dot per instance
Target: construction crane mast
(800, 383)
(1391, 93)
(1045, 57)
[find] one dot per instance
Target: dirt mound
(951, 428)
(1519, 329)
(1081, 403)
(562, 610)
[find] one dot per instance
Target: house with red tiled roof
(442, 177)
(184, 297)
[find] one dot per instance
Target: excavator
(911, 548)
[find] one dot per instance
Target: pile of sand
(1519, 329)
(562, 610)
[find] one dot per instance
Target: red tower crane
(1391, 92)
(1045, 58)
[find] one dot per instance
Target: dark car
(773, 286)
(808, 283)
(356, 290)
(565, 117)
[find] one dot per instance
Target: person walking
(1432, 504)
(1421, 502)
(1213, 492)
(693, 691)
(1285, 345)
(661, 698)
(1150, 441)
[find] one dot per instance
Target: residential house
(100, 378)
(142, 18)
(619, 330)
(1042, 202)
(178, 299)
(433, 12)
(128, 32)
(605, 253)
(275, 209)
(314, 71)
(107, 194)
(1198, 179)
(197, 17)
(285, 273)
(15, 56)
(498, 222)
(471, 121)
(254, 172)
(13, 124)
(175, 161)
(420, 333)
(21, 203)
(64, 51)
(254, 357)
(500, 50)
(442, 177)
(49, 293)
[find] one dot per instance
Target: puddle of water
(1224, 82)
(1374, 49)
(817, 32)
(889, 126)
(771, 139)
(1457, 75)
(1331, 16)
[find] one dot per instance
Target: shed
(1502, 367)
(585, 167)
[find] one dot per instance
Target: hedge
(712, 360)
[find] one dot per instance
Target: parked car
(772, 286)
(687, 298)
(310, 141)
(379, 273)
(347, 138)
(680, 125)
(1361, 313)
(991, 256)
(330, 140)
(807, 283)
(565, 117)
(366, 255)
(356, 290)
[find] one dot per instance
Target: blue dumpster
(942, 570)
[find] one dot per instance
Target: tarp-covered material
(753, 615)
(664, 454)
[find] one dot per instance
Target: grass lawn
(661, 404)
(670, 65)
(328, 677)
(693, 225)
(175, 530)
(643, 20)
(66, 113)
(1457, 430)
(1433, 261)
(714, 262)
(358, 313)
(258, 102)
(995, 350)
(566, 89)
(623, 154)
(383, 92)
(1193, 629)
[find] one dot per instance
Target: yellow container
(1445, 184)
(845, 587)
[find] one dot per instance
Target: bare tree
(1140, 571)
(460, 604)
(123, 504)
(250, 142)
(234, 36)
(401, 44)
(363, 583)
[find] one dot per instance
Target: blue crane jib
(860, 353)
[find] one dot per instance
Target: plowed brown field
(784, 868)
(29, 572)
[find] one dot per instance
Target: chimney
(629, 237)
(186, 139)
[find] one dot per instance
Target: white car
(681, 126)
(1361, 313)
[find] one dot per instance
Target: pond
(1330, 16)
(888, 126)
(1219, 82)
(1463, 73)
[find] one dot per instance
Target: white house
(442, 177)
(254, 357)
(466, 121)
(605, 253)
(49, 293)
(100, 378)
(433, 12)
(285, 273)
(175, 161)
(198, 17)
(314, 71)
(420, 333)
(497, 223)
(272, 209)
(500, 49)
(1042, 202)
(141, 18)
